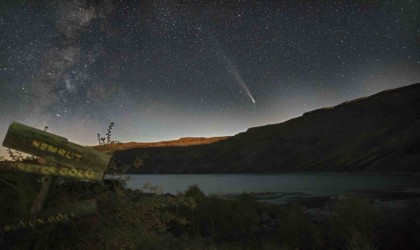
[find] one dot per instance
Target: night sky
(168, 69)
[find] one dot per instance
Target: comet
(232, 69)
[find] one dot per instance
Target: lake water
(286, 184)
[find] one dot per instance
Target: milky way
(154, 68)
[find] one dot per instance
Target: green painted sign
(72, 160)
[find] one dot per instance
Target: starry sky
(163, 70)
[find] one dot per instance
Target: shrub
(353, 223)
(400, 229)
(126, 219)
(296, 231)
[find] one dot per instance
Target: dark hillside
(376, 133)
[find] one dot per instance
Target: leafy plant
(107, 139)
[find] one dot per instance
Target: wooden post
(42, 195)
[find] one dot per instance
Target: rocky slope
(379, 133)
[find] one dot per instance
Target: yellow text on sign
(89, 174)
(55, 150)
(34, 222)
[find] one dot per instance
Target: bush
(195, 193)
(400, 229)
(353, 223)
(296, 231)
(125, 219)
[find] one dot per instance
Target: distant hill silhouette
(379, 133)
(182, 142)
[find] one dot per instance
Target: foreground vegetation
(147, 219)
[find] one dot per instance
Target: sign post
(63, 159)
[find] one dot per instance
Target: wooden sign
(78, 161)
(48, 216)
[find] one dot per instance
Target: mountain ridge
(181, 142)
(377, 133)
